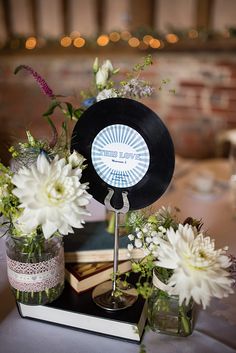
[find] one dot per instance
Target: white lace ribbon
(160, 285)
(36, 277)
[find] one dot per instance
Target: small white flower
(138, 243)
(148, 240)
(105, 94)
(151, 247)
(130, 247)
(139, 235)
(154, 233)
(51, 196)
(162, 229)
(131, 237)
(156, 240)
(4, 191)
(107, 65)
(102, 77)
(146, 252)
(95, 65)
(76, 160)
(145, 229)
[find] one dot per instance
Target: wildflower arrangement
(180, 259)
(41, 193)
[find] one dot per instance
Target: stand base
(103, 296)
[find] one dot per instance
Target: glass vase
(165, 315)
(35, 269)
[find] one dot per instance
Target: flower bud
(95, 65)
(107, 65)
(101, 77)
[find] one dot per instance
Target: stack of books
(88, 263)
(94, 244)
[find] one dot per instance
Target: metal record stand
(109, 295)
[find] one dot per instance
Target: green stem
(184, 320)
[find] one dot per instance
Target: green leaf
(78, 113)
(54, 132)
(69, 109)
(52, 107)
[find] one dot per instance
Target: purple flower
(42, 83)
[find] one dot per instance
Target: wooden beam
(34, 15)
(153, 11)
(7, 17)
(142, 13)
(204, 10)
(100, 13)
(66, 16)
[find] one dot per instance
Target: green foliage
(53, 105)
(8, 202)
(147, 61)
(148, 228)
(145, 269)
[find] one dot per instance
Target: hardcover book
(82, 276)
(79, 311)
(94, 244)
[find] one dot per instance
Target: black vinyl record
(144, 170)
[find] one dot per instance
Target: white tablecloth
(215, 329)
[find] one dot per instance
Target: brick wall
(203, 105)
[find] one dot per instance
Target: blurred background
(193, 44)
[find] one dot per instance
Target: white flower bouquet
(180, 261)
(41, 195)
(41, 200)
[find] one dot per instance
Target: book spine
(85, 284)
(101, 255)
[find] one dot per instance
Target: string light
(193, 33)
(75, 34)
(114, 36)
(66, 41)
(143, 43)
(103, 40)
(155, 43)
(172, 38)
(147, 38)
(79, 42)
(125, 35)
(134, 42)
(30, 43)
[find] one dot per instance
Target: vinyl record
(128, 148)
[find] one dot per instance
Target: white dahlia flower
(51, 196)
(199, 269)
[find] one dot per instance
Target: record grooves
(144, 169)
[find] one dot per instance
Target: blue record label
(120, 156)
